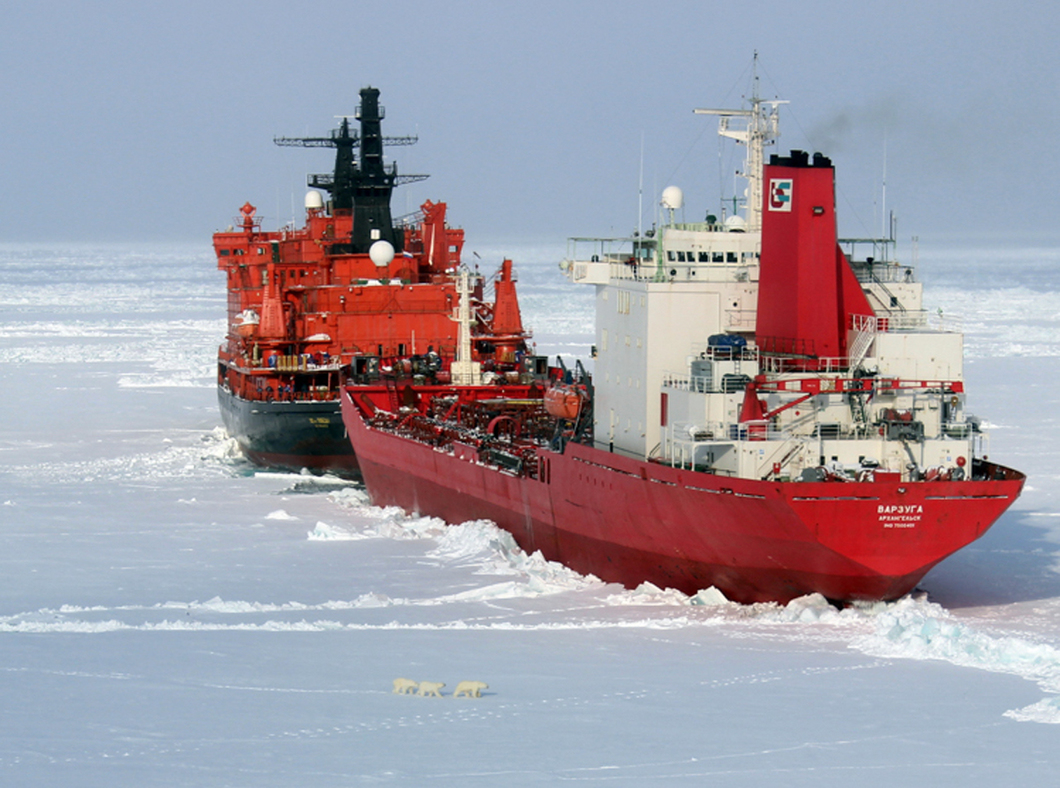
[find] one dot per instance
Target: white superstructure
(664, 389)
(660, 296)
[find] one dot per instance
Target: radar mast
(761, 127)
(361, 187)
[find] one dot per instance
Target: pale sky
(151, 121)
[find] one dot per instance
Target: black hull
(289, 435)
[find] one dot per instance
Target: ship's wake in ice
(504, 589)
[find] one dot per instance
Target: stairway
(866, 327)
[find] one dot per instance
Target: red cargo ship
(630, 521)
(810, 435)
(350, 292)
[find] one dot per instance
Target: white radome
(673, 198)
(313, 200)
(736, 223)
(381, 252)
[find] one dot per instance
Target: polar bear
(472, 689)
(405, 686)
(430, 688)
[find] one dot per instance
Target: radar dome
(673, 198)
(381, 253)
(313, 201)
(736, 224)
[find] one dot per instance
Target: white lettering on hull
(899, 515)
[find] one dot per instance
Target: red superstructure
(350, 292)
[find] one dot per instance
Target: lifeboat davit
(563, 402)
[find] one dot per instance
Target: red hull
(630, 521)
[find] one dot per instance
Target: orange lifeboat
(563, 402)
(246, 323)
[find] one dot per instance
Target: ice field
(171, 615)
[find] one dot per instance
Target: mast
(373, 183)
(360, 186)
(762, 127)
(465, 371)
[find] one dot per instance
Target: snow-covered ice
(171, 615)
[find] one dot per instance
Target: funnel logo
(780, 194)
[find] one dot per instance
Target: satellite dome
(313, 200)
(381, 253)
(735, 224)
(673, 198)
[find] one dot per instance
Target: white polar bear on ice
(472, 689)
(405, 686)
(430, 688)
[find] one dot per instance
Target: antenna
(883, 206)
(640, 189)
(762, 128)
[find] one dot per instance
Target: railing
(611, 249)
(582, 270)
(864, 323)
(689, 383)
(777, 365)
(921, 320)
(884, 273)
(705, 433)
(726, 432)
(741, 319)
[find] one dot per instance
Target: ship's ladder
(887, 300)
(866, 327)
(771, 467)
(392, 395)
